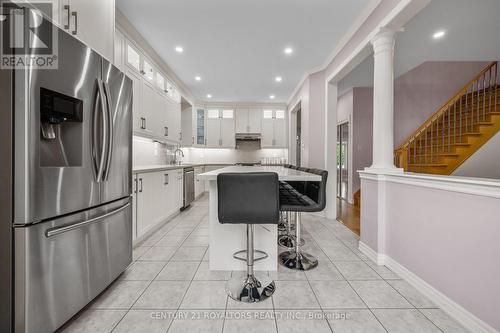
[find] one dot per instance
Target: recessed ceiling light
(197, 78)
(179, 49)
(439, 34)
(278, 79)
(209, 96)
(288, 50)
(272, 96)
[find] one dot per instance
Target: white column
(383, 101)
(331, 149)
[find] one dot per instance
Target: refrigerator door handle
(99, 158)
(59, 230)
(109, 114)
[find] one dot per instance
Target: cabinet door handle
(180, 136)
(75, 15)
(68, 12)
(143, 123)
(205, 141)
(166, 131)
(192, 140)
(135, 185)
(140, 187)
(166, 179)
(142, 72)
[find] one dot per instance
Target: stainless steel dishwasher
(188, 187)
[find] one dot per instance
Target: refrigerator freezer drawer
(62, 264)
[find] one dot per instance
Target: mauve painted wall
(448, 239)
(421, 91)
(362, 122)
(484, 163)
(369, 214)
(317, 91)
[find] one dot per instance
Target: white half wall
(484, 163)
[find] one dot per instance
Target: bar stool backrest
(316, 191)
(248, 198)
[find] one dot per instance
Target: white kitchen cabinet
(255, 120)
(241, 121)
(134, 207)
(119, 51)
(273, 129)
(174, 119)
(199, 185)
(220, 128)
(178, 194)
(248, 120)
(149, 201)
(199, 128)
(91, 21)
(138, 117)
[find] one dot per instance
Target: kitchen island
(226, 239)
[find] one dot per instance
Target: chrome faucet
(175, 155)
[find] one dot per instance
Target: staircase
(457, 130)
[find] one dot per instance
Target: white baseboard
(455, 310)
(377, 258)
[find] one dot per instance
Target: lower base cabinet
(157, 196)
(199, 185)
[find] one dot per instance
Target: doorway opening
(298, 138)
(342, 160)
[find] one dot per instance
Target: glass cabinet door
(200, 127)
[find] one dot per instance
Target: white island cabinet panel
(226, 239)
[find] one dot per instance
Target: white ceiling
(472, 34)
(236, 46)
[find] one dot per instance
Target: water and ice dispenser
(61, 129)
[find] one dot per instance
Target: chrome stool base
(257, 255)
(288, 241)
(300, 261)
(249, 289)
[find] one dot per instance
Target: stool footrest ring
(257, 254)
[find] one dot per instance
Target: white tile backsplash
(149, 152)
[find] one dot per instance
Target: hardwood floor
(349, 215)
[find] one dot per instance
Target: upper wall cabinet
(248, 120)
(220, 128)
(273, 129)
(91, 21)
(156, 101)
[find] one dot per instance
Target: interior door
(55, 172)
(117, 177)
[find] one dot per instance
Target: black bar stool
(312, 200)
(248, 198)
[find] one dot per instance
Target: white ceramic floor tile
(443, 321)
(250, 322)
(340, 253)
(197, 321)
(379, 294)
(139, 251)
(189, 253)
(95, 321)
(336, 295)
(294, 295)
(120, 295)
(204, 273)
(178, 270)
(411, 294)
(353, 321)
(205, 295)
(357, 270)
(171, 240)
(405, 321)
(302, 321)
(158, 253)
(142, 270)
(162, 295)
(141, 321)
(324, 271)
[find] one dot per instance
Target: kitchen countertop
(284, 174)
(153, 168)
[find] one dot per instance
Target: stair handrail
(400, 151)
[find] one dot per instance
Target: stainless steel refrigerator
(65, 170)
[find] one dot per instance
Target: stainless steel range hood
(248, 136)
